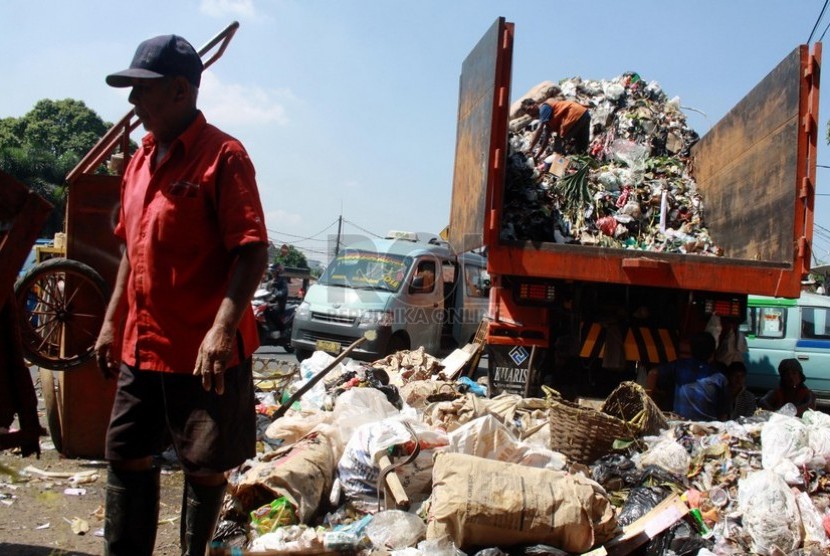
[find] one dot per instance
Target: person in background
(570, 121)
(278, 296)
(791, 389)
(744, 402)
(700, 391)
(179, 331)
(277, 286)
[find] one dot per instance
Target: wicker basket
(584, 434)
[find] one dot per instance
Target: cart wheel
(61, 305)
(49, 391)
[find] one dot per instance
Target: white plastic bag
(785, 446)
(818, 429)
(315, 398)
(395, 530)
(814, 533)
(487, 437)
(667, 454)
(358, 470)
(358, 406)
(770, 512)
(632, 154)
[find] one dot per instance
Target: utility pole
(337, 243)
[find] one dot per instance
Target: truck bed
(755, 170)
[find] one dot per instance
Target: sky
(348, 107)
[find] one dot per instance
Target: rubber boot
(200, 511)
(132, 510)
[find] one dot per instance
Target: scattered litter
(10, 471)
(79, 526)
(74, 491)
(76, 477)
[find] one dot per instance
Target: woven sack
(585, 434)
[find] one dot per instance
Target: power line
(361, 228)
(815, 26)
(311, 237)
(822, 34)
(293, 238)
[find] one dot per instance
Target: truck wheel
(302, 354)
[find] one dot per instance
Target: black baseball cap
(162, 56)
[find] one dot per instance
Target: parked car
(781, 328)
(411, 291)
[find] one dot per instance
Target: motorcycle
(267, 314)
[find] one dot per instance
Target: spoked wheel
(61, 305)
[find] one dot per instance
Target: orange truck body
(755, 170)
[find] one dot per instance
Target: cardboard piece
(559, 165)
(661, 517)
(455, 362)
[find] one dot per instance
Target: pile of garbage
(371, 462)
(632, 189)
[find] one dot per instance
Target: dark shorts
(580, 133)
(210, 433)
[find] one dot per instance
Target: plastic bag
(639, 502)
(770, 512)
(315, 398)
(630, 153)
(279, 513)
(487, 437)
(785, 446)
(358, 471)
(667, 454)
(294, 425)
(818, 430)
(395, 529)
(811, 519)
(358, 406)
(347, 537)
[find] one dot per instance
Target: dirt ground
(38, 512)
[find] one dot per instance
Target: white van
(412, 291)
(778, 328)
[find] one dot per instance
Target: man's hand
(107, 352)
(214, 354)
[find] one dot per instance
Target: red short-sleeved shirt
(181, 223)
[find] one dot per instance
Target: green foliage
(43, 146)
(62, 126)
(294, 257)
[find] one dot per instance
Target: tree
(293, 257)
(43, 146)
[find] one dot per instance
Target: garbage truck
(585, 317)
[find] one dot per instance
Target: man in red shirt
(570, 121)
(179, 332)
